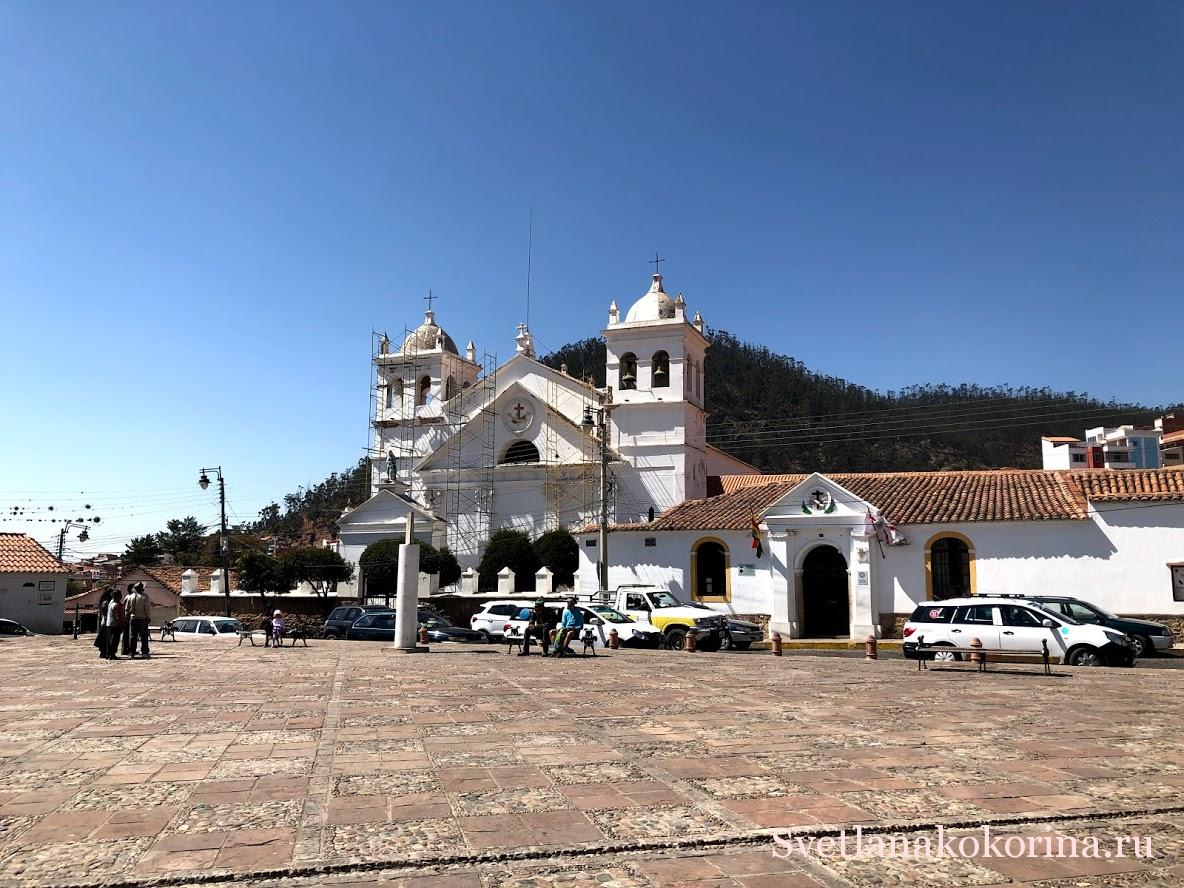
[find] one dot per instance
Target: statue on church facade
(390, 465)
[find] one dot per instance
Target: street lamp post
(224, 542)
(82, 537)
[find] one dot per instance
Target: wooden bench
(979, 654)
(169, 630)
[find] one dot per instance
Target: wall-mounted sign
(748, 570)
(47, 586)
(44, 598)
(862, 577)
(1177, 581)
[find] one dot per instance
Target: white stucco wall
(1118, 559)
(30, 600)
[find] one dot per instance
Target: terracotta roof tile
(931, 497)
(1140, 485)
(23, 554)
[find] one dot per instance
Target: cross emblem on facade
(654, 262)
(519, 413)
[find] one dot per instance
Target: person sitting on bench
(541, 621)
(569, 627)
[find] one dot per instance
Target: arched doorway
(826, 601)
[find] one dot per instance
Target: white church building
(469, 447)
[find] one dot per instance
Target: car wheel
(945, 656)
(486, 637)
(330, 635)
(1085, 656)
(1143, 646)
(741, 645)
(676, 639)
(725, 642)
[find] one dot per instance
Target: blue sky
(206, 207)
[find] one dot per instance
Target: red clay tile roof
(930, 497)
(169, 576)
(1058, 439)
(1138, 485)
(1172, 437)
(22, 554)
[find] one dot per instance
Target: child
(277, 629)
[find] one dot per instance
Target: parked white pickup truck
(672, 617)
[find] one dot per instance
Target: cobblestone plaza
(344, 764)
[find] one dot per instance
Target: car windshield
(665, 599)
(612, 616)
(1046, 609)
(227, 626)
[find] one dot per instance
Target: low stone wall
(242, 607)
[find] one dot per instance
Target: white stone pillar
(783, 615)
(865, 620)
(189, 582)
(468, 581)
(216, 582)
(544, 581)
(505, 581)
(407, 598)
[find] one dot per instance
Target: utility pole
(224, 542)
(603, 540)
(601, 425)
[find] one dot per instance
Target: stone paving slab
(220, 761)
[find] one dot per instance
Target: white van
(1012, 624)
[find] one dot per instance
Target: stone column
(468, 581)
(407, 599)
(505, 581)
(544, 581)
(865, 620)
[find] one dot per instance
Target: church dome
(428, 336)
(655, 305)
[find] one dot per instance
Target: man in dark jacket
(541, 621)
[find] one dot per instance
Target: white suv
(1012, 624)
(493, 616)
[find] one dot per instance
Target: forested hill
(773, 412)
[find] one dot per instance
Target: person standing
(139, 615)
(101, 634)
(125, 633)
(114, 624)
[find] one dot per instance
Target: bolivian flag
(755, 528)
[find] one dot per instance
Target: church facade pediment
(818, 499)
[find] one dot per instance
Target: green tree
(182, 539)
(263, 575)
(142, 551)
(380, 566)
(321, 568)
(558, 551)
(512, 549)
(449, 568)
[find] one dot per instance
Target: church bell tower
(655, 369)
